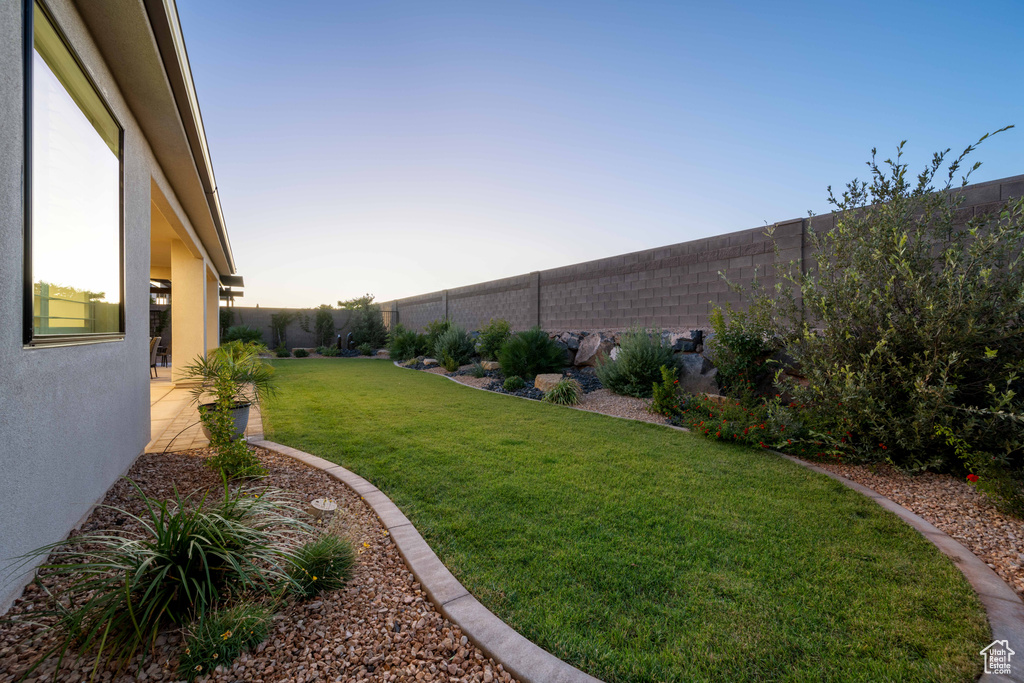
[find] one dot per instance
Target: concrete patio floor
(174, 420)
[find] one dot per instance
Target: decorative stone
(430, 361)
(571, 340)
(593, 347)
(490, 365)
(614, 353)
(322, 507)
(697, 375)
(547, 382)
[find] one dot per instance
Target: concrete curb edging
(1002, 604)
(519, 656)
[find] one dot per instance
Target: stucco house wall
(72, 418)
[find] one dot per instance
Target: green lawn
(636, 552)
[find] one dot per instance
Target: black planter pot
(239, 413)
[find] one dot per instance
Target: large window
(73, 229)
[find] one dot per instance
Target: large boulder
(547, 382)
(570, 355)
(491, 365)
(696, 374)
(592, 347)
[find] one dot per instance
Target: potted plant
(235, 376)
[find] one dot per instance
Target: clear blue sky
(398, 148)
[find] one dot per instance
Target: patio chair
(154, 343)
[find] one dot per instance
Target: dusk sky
(398, 148)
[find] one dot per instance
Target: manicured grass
(636, 552)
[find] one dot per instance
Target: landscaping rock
(614, 353)
(592, 347)
(547, 382)
(571, 340)
(697, 375)
(430, 361)
(491, 365)
(570, 355)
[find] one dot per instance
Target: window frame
(29, 338)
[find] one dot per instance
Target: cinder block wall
(667, 287)
(260, 319)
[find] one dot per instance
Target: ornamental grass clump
(637, 365)
(190, 554)
(566, 392)
(477, 370)
(218, 637)
(404, 344)
(324, 564)
(453, 348)
(530, 353)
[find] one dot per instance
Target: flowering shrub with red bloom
(768, 424)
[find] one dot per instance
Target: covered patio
(174, 419)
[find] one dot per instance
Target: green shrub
(742, 345)
(366, 350)
(637, 367)
(530, 353)
(325, 564)
(911, 321)
(279, 323)
(405, 344)
(301, 353)
(282, 352)
(367, 322)
(190, 554)
(666, 393)
(435, 329)
(218, 637)
(768, 424)
(513, 383)
(453, 348)
(478, 370)
(321, 325)
(492, 337)
(566, 393)
(244, 334)
(327, 351)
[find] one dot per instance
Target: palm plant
(234, 372)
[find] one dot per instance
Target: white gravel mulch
(607, 403)
(381, 627)
(955, 507)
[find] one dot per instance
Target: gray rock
(697, 375)
(571, 340)
(570, 354)
(614, 353)
(593, 347)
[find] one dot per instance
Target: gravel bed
(381, 627)
(955, 507)
(605, 402)
(586, 377)
(528, 391)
